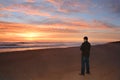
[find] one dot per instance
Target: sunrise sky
(59, 20)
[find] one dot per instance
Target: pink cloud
(5, 15)
(71, 6)
(31, 1)
(73, 23)
(2, 15)
(26, 9)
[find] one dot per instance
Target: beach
(61, 64)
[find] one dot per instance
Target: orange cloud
(57, 32)
(27, 32)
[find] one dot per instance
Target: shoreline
(33, 49)
(11, 48)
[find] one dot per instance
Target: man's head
(85, 38)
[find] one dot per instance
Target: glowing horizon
(59, 20)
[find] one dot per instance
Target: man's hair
(86, 38)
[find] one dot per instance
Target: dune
(61, 64)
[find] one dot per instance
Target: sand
(61, 64)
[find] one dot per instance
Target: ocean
(21, 46)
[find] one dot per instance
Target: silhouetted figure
(85, 49)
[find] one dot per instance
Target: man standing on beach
(85, 49)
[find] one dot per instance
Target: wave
(19, 46)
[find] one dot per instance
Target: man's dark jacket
(85, 48)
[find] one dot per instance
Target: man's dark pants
(85, 64)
